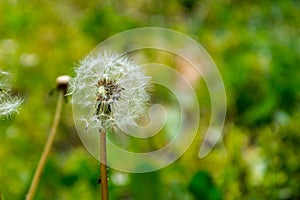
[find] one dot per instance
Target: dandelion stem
(47, 147)
(103, 167)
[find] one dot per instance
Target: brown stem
(47, 148)
(103, 167)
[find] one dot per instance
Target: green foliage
(256, 46)
(203, 187)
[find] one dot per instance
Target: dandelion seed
(8, 103)
(112, 89)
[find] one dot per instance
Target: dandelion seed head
(110, 90)
(8, 104)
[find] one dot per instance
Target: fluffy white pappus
(109, 91)
(8, 103)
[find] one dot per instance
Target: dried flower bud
(109, 90)
(63, 82)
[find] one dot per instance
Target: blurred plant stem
(62, 88)
(103, 167)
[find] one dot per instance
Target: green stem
(47, 148)
(103, 167)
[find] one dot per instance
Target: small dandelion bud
(110, 90)
(8, 103)
(63, 82)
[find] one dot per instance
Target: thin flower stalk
(62, 87)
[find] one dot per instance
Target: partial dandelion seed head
(109, 90)
(8, 104)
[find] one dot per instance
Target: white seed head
(110, 90)
(8, 103)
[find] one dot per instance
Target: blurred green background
(256, 46)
